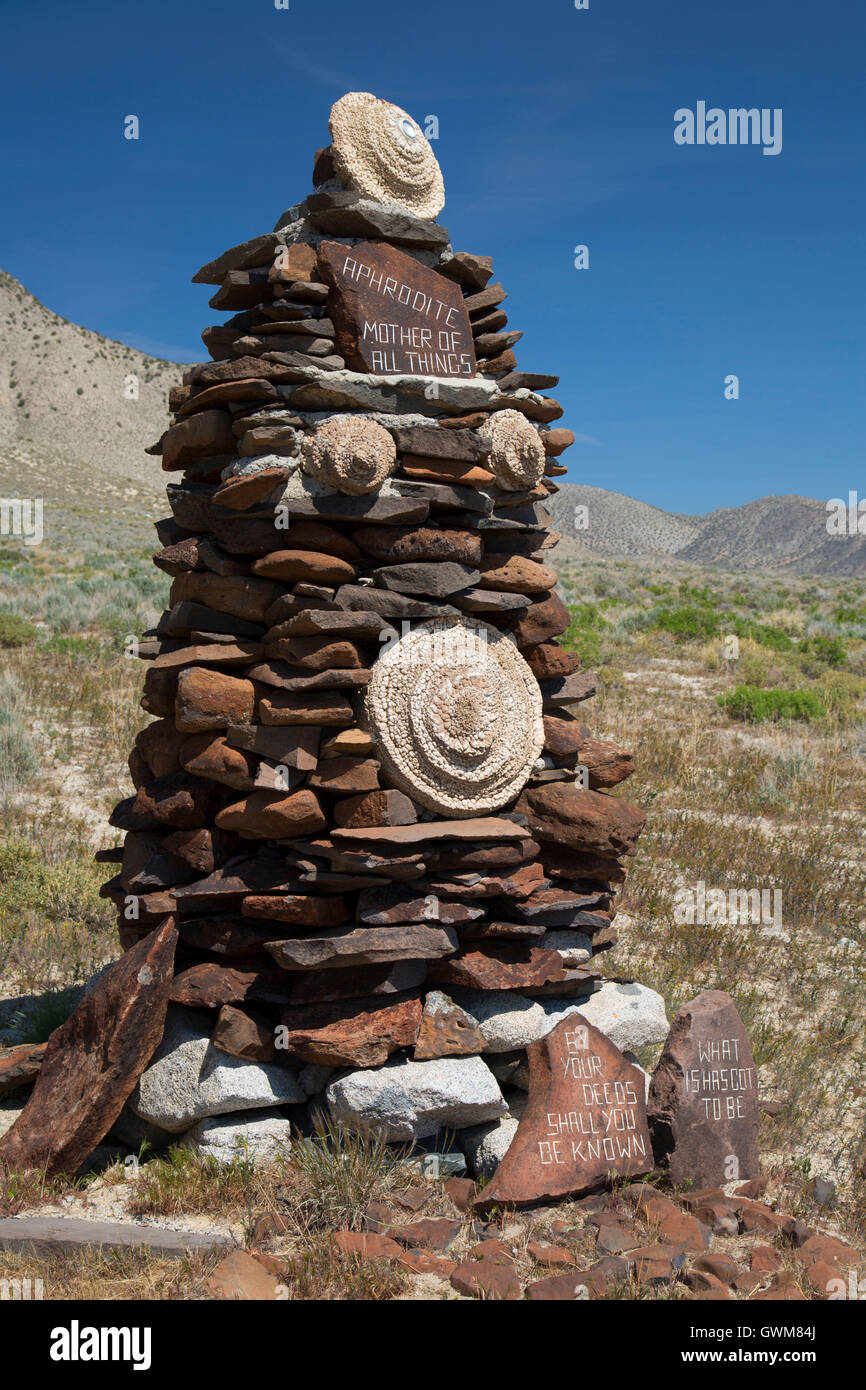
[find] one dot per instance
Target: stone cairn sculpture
(389, 847)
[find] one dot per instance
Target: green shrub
(10, 557)
(830, 650)
(750, 703)
(760, 666)
(19, 762)
(765, 634)
(15, 631)
(690, 621)
(583, 633)
(90, 648)
(843, 693)
(62, 891)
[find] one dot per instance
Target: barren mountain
(787, 533)
(77, 411)
(612, 524)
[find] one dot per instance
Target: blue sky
(555, 129)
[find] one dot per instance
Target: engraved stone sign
(585, 1119)
(393, 315)
(703, 1102)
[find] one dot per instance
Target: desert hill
(68, 423)
(785, 533)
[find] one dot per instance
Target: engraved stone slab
(393, 315)
(703, 1100)
(585, 1119)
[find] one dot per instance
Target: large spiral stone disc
(456, 715)
(379, 150)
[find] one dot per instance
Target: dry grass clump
(318, 1272)
(119, 1275)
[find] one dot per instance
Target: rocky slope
(69, 422)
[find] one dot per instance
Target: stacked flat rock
(389, 845)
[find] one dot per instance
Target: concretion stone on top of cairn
(379, 149)
(360, 791)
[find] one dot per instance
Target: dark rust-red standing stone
(585, 1119)
(703, 1102)
(94, 1059)
(393, 315)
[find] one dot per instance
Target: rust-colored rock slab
(480, 828)
(297, 910)
(264, 815)
(589, 821)
(516, 574)
(209, 756)
(19, 1066)
(244, 1034)
(363, 1033)
(446, 1030)
(225, 935)
(703, 1102)
(585, 1119)
(500, 967)
(356, 982)
(548, 661)
(304, 566)
(94, 1059)
(385, 807)
(365, 946)
(401, 544)
(546, 618)
(212, 700)
(241, 1278)
(570, 742)
(210, 985)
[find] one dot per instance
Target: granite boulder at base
(486, 1145)
(631, 1015)
(189, 1079)
(257, 1135)
(413, 1100)
(509, 1020)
